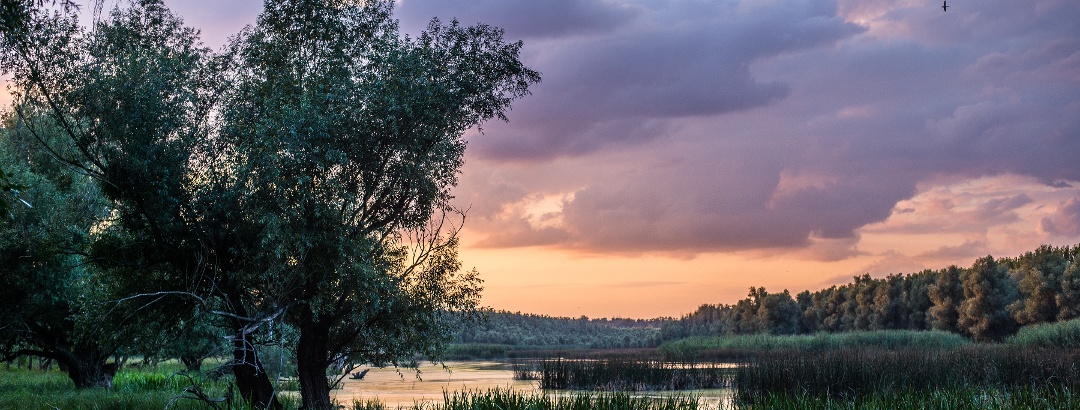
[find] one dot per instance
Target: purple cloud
(1066, 221)
(697, 126)
(630, 76)
(766, 125)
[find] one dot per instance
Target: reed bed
(952, 399)
(955, 399)
(506, 399)
(727, 347)
(855, 372)
(622, 374)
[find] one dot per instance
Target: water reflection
(403, 387)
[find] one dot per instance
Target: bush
(1050, 335)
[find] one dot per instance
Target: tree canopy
(302, 175)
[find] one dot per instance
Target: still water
(404, 387)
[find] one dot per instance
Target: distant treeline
(537, 331)
(988, 301)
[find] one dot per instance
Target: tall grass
(1049, 335)
(857, 371)
(506, 399)
(622, 375)
(703, 347)
(952, 399)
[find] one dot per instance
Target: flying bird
(945, 5)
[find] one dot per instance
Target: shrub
(1050, 335)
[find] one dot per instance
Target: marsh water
(404, 387)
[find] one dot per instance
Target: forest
(988, 301)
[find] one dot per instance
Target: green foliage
(1068, 300)
(987, 301)
(54, 300)
(345, 140)
(988, 291)
(1039, 277)
(9, 192)
(946, 294)
(301, 176)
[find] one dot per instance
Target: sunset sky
(678, 152)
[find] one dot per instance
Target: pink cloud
(1065, 221)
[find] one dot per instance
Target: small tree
(131, 99)
(988, 291)
(53, 301)
(1068, 301)
(946, 295)
(780, 314)
(1039, 277)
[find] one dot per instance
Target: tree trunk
(251, 378)
(91, 374)
(192, 363)
(86, 365)
(311, 362)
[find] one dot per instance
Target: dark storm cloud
(627, 81)
(789, 124)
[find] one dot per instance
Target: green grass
(133, 389)
(1050, 335)
(700, 346)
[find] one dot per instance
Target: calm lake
(402, 387)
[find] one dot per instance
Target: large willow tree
(303, 175)
(347, 137)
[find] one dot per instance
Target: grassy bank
(133, 389)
